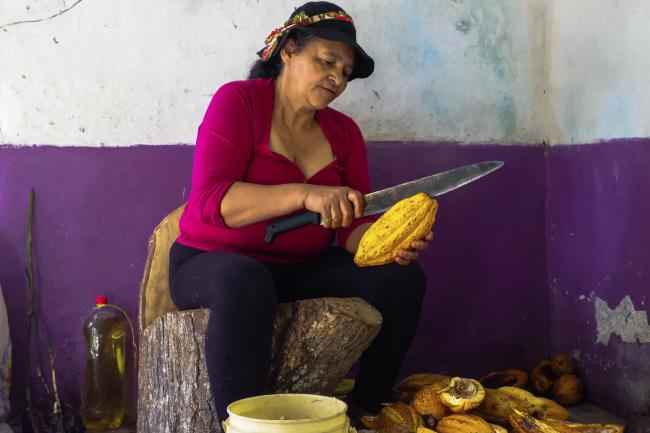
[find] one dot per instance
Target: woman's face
(319, 72)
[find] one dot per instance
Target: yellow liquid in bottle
(103, 397)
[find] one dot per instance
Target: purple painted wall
(487, 302)
(598, 242)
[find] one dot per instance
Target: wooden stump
(173, 390)
(315, 342)
(325, 337)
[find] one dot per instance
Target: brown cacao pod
(542, 377)
(408, 220)
(563, 364)
(510, 377)
(463, 423)
(568, 389)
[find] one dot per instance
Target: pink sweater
(233, 145)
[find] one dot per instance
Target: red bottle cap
(101, 300)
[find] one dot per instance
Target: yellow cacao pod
(462, 394)
(408, 220)
(497, 405)
(524, 423)
(427, 401)
(540, 405)
(554, 410)
(498, 429)
(572, 427)
(397, 418)
(463, 423)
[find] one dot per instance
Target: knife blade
(380, 201)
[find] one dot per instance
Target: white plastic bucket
(287, 413)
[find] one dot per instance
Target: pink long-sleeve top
(233, 145)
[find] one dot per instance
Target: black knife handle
(290, 223)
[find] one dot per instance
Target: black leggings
(242, 295)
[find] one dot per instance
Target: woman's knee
(244, 281)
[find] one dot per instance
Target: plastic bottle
(103, 397)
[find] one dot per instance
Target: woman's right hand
(337, 205)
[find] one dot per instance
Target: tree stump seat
(315, 343)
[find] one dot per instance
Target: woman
(267, 147)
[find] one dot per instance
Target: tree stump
(315, 342)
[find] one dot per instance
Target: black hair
(271, 68)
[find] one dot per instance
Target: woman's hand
(337, 205)
(404, 257)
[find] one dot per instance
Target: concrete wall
(120, 73)
(598, 70)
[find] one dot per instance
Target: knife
(380, 201)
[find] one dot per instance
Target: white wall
(600, 69)
(120, 72)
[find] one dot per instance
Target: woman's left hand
(404, 257)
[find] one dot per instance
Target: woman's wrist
(303, 192)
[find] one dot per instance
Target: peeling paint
(631, 325)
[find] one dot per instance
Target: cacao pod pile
(408, 220)
(461, 405)
(436, 398)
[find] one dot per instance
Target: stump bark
(315, 342)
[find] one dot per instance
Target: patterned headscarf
(301, 19)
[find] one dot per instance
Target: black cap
(333, 30)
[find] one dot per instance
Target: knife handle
(290, 223)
